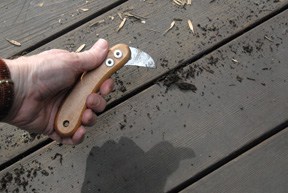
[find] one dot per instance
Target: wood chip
(128, 14)
(40, 4)
(80, 48)
(171, 26)
(182, 2)
(267, 38)
(191, 26)
(84, 9)
(14, 42)
(97, 23)
(122, 24)
(179, 2)
(120, 15)
(235, 61)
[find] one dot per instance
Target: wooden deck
(226, 132)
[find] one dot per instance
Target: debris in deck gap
(111, 17)
(80, 48)
(171, 26)
(14, 42)
(191, 26)
(122, 24)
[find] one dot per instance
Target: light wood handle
(69, 116)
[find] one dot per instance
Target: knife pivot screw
(66, 123)
(118, 54)
(109, 62)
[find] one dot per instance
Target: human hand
(41, 83)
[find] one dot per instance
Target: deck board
(30, 22)
(262, 169)
(159, 138)
(213, 23)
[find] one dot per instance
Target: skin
(41, 82)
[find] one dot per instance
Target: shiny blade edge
(140, 58)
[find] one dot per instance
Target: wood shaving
(128, 14)
(84, 9)
(122, 24)
(171, 26)
(191, 26)
(14, 42)
(267, 38)
(80, 48)
(182, 2)
(97, 23)
(40, 4)
(120, 15)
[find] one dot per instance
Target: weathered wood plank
(30, 22)
(160, 138)
(262, 169)
(213, 21)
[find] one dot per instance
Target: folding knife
(68, 118)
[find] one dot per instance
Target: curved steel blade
(140, 58)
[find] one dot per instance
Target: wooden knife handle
(69, 116)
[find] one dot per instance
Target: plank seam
(224, 161)
(156, 81)
(69, 28)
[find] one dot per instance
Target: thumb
(94, 57)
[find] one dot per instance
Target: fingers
(79, 135)
(77, 138)
(89, 118)
(107, 87)
(96, 103)
(92, 58)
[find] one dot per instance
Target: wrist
(15, 75)
(6, 90)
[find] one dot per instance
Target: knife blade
(69, 115)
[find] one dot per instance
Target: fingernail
(102, 43)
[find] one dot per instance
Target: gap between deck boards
(230, 157)
(224, 160)
(68, 29)
(116, 102)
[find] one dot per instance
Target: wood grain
(262, 169)
(214, 22)
(33, 21)
(163, 136)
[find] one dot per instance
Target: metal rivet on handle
(109, 62)
(118, 54)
